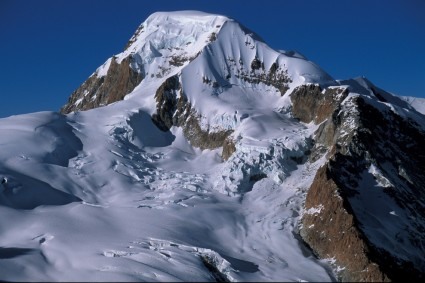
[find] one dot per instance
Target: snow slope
(415, 102)
(104, 195)
(125, 201)
(110, 197)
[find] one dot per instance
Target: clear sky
(49, 47)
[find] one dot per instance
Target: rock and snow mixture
(104, 195)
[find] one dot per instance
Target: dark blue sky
(48, 48)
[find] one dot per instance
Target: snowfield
(104, 195)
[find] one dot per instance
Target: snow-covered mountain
(201, 154)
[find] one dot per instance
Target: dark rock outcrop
(256, 64)
(229, 148)
(347, 218)
(174, 109)
(120, 80)
(310, 103)
(331, 229)
(277, 76)
(136, 34)
(166, 103)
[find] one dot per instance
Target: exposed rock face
(310, 103)
(120, 80)
(330, 228)
(136, 34)
(166, 99)
(200, 138)
(229, 148)
(375, 168)
(276, 76)
(365, 207)
(173, 109)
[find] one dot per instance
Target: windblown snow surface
(416, 102)
(104, 195)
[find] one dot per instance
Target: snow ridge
(104, 194)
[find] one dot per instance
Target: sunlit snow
(104, 195)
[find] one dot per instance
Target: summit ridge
(199, 153)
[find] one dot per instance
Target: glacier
(105, 195)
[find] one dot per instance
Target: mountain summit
(214, 49)
(199, 153)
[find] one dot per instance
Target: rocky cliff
(362, 208)
(100, 90)
(174, 109)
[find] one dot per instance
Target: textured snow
(218, 49)
(103, 70)
(379, 177)
(168, 36)
(415, 102)
(225, 61)
(104, 195)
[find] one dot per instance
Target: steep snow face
(139, 204)
(415, 102)
(238, 72)
(210, 53)
(104, 194)
(167, 40)
(161, 46)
